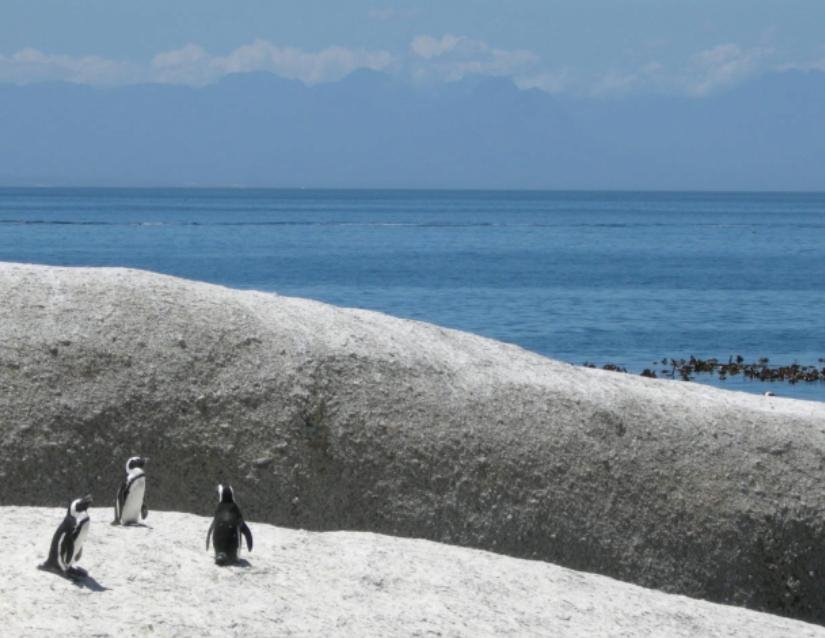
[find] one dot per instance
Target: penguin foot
(115, 522)
(226, 560)
(50, 567)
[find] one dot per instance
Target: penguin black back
(226, 528)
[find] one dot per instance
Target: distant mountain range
(370, 130)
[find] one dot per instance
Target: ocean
(602, 277)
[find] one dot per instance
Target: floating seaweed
(607, 366)
(761, 370)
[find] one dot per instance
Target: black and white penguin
(227, 527)
(67, 542)
(129, 505)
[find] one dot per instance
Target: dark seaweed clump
(760, 370)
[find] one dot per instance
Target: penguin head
(80, 505)
(225, 494)
(136, 462)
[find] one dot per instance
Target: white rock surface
(160, 581)
(328, 418)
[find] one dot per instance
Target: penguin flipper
(144, 511)
(79, 554)
(247, 534)
(209, 533)
(120, 499)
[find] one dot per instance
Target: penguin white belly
(134, 502)
(78, 543)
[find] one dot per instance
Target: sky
(581, 47)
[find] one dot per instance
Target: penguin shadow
(80, 578)
(241, 562)
(128, 525)
(87, 582)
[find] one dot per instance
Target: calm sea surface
(626, 278)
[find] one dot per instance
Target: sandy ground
(159, 580)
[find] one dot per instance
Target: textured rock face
(328, 418)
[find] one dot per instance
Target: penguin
(129, 505)
(227, 527)
(68, 540)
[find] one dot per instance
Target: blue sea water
(627, 278)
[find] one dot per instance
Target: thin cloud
(428, 59)
(652, 76)
(428, 47)
(703, 74)
(723, 65)
(32, 65)
(453, 57)
(191, 64)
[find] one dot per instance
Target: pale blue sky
(578, 46)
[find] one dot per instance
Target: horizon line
(412, 189)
